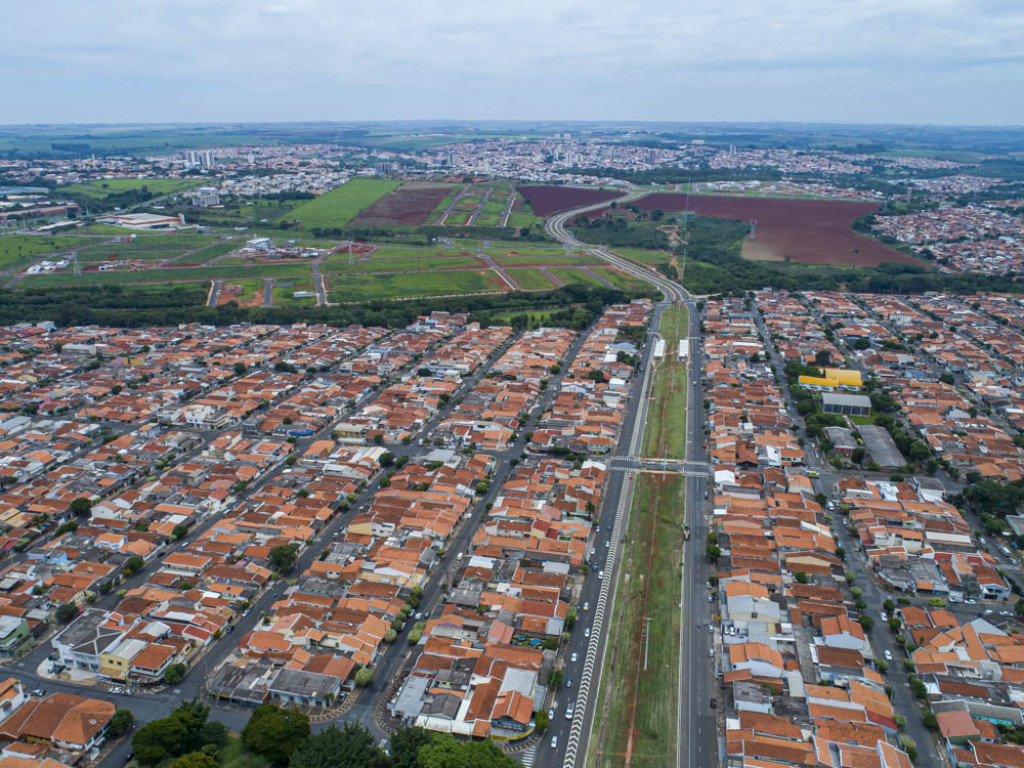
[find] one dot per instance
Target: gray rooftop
(881, 447)
(855, 401)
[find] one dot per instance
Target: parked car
(885, 616)
(888, 655)
(713, 703)
(586, 606)
(711, 652)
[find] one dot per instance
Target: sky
(958, 62)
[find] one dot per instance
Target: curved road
(697, 738)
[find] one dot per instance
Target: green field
(210, 252)
(531, 279)
(666, 431)
(637, 708)
(545, 260)
(620, 279)
(569, 276)
(357, 287)
(643, 256)
(184, 274)
(21, 249)
(153, 248)
(101, 189)
(337, 208)
(283, 294)
(398, 265)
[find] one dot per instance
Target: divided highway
(697, 739)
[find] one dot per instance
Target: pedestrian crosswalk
(528, 756)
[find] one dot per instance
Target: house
(13, 632)
(71, 723)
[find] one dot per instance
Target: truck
(686, 532)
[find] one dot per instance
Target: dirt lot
(548, 200)
(407, 206)
(806, 231)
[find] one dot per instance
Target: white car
(586, 632)
(711, 652)
(554, 741)
(888, 655)
(885, 616)
(600, 575)
(574, 658)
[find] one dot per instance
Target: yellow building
(833, 379)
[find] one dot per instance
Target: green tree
(386, 459)
(445, 751)
(239, 369)
(194, 760)
(351, 746)
(180, 531)
(275, 733)
(156, 741)
(801, 577)
(133, 565)
(81, 507)
(363, 676)
(555, 678)
(174, 673)
(66, 613)
(712, 552)
(120, 723)
(540, 719)
(283, 558)
(405, 746)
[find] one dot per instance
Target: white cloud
(529, 58)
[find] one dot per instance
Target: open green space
(570, 275)
(619, 279)
(338, 207)
(153, 248)
(251, 291)
(665, 436)
(21, 249)
(184, 274)
(644, 256)
(535, 319)
(531, 279)
(211, 252)
(520, 260)
(637, 708)
(359, 287)
(283, 294)
(398, 265)
(102, 189)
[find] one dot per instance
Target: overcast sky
(863, 61)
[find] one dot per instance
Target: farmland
(407, 206)
(804, 231)
(547, 200)
(335, 209)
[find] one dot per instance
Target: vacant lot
(531, 279)
(805, 231)
(21, 249)
(428, 263)
(337, 208)
(408, 206)
(247, 293)
(101, 189)
(358, 287)
(547, 200)
(168, 274)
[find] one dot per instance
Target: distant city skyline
(952, 62)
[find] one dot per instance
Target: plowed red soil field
(807, 231)
(548, 200)
(407, 206)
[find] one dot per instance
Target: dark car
(714, 703)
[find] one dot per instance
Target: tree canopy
(274, 733)
(351, 746)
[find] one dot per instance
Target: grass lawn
(427, 264)
(861, 421)
(535, 319)
(211, 252)
(357, 287)
(637, 709)
(231, 751)
(342, 204)
(521, 220)
(665, 435)
(283, 294)
(153, 248)
(545, 260)
(531, 279)
(184, 274)
(21, 249)
(620, 279)
(101, 189)
(569, 275)
(643, 256)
